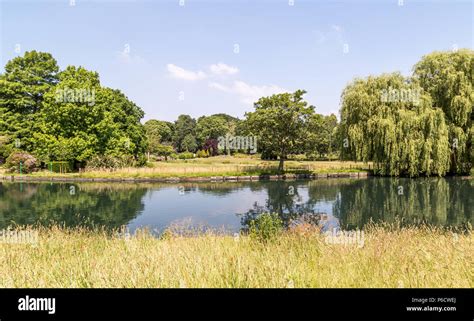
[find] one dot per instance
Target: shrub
(265, 227)
(202, 154)
(173, 156)
(185, 155)
(28, 162)
(111, 162)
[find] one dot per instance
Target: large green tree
(189, 143)
(390, 120)
(321, 138)
(159, 137)
(449, 78)
(22, 89)
(66, 115)
(421, 125)
(209, 127)
(214, 126)
(280, 123)
(185, 125)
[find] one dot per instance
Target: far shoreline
(186, 179)
(197, 179)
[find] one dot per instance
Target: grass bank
(409, 257)
(214, 166)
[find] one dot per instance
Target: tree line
(417, 125)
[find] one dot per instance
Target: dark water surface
(344, 203)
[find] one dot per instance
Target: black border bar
(240, 304)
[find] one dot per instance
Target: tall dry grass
(408, 257)
(215, 166)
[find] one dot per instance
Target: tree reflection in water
(68, 204)
(445, 202)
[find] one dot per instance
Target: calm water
(344, 203)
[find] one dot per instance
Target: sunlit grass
(216, 166)
(409, 257)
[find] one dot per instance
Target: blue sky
(212, 56)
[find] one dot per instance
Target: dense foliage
(66, 115)
(413, 126)
(280, 122)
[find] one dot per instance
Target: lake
(341, 203)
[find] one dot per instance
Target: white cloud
(223, 69)
(220, 87)
(249, 93)
(181, 73)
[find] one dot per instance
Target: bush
(61, 167)
(202, 154)
(265, 227)
(112, 162)
(28, 162)
(173, 156)
(185, 155)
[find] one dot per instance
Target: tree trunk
(280, 165)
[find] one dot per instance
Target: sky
(201, 57)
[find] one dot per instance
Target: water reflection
(437, 201)
(71, 205)
(345, 203)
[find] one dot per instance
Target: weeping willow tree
(390, 120)
(418, 126)
(449, 78)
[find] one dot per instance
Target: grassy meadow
(404, 257)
